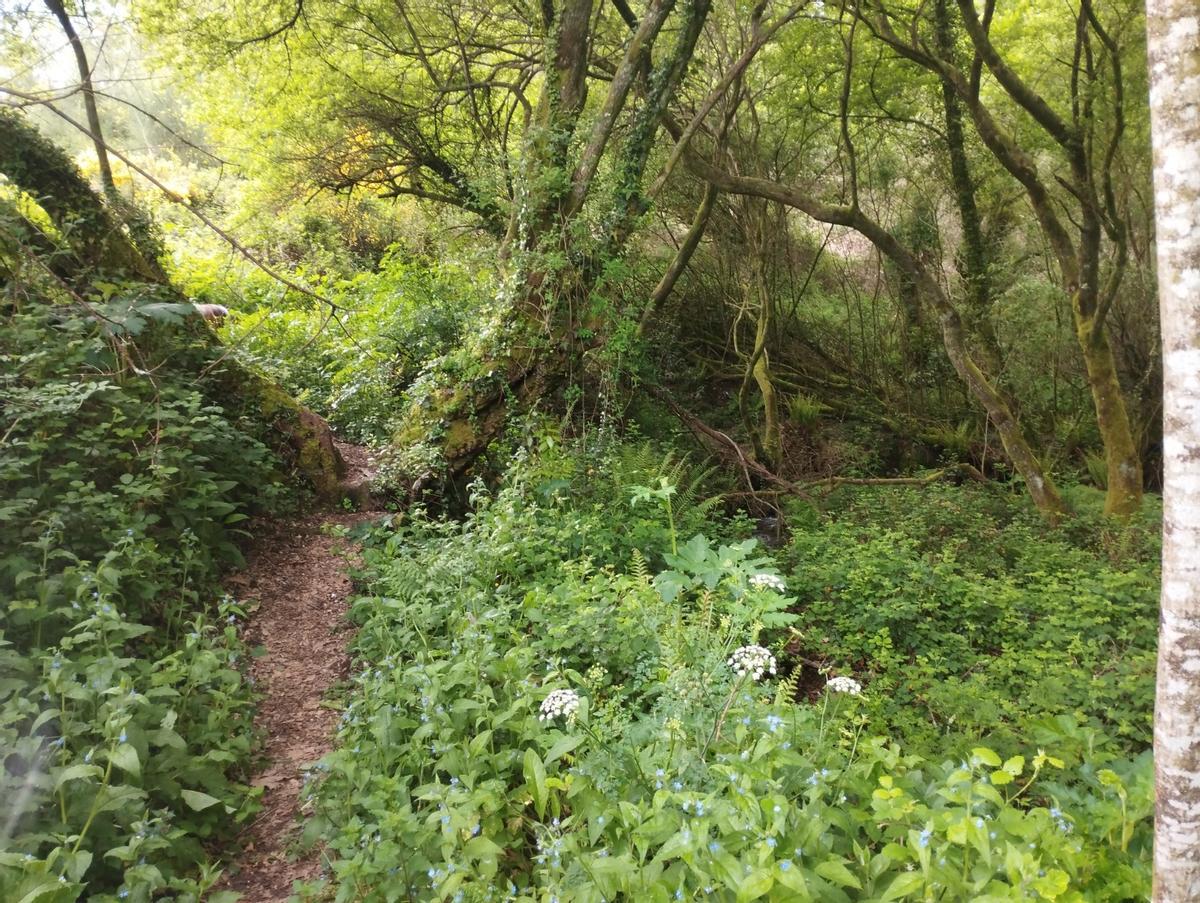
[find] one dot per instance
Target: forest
(594, 450)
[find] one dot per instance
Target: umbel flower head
(559, 702)
(844, 685)
(768, 581)
(752, 660)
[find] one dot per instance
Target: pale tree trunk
(1174, 51)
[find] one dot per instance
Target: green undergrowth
(125, 713)
(974, 622)
(546, 707)
(352, 369)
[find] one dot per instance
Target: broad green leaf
(905, 883)
(125, 757)
(198, 801)
(535, 777)
(835, 871)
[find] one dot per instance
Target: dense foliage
(466, 771)
(406, 313)
(125, 715)
(976, 623)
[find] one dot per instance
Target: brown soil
(296, 573)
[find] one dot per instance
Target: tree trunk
(973, 262)
(1123, 494)
(1173, 28)
(89, 97)
(768, 446)
(556, 267)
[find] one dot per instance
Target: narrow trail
(296, 573)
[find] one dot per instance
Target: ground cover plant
(975, 623)
(562, 698)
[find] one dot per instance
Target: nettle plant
(125, 715)
(533, 726)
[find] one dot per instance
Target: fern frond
(786, 691)
(638, 569)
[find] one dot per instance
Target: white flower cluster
(768, 581)
(560, 702)
(844, 685)
(752, 660)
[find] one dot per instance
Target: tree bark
(1173, 28)
(557, 266)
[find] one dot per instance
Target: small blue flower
(772, 842)
(122, 738)
(714, 847)
(679, 895)
(677, 786)
(924, 837)
(785, 864)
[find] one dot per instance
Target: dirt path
(296, 573)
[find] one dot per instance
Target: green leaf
(77, 773)
(125, 757)
(835, 871)
(535, 777)
(905, 884)
(757, 884)
(986, 756)
(198, 801)
(1053, 884)
(562, 747)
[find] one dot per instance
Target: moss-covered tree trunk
(1123, 463)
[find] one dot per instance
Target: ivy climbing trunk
(553, 259)
(1174, 53)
